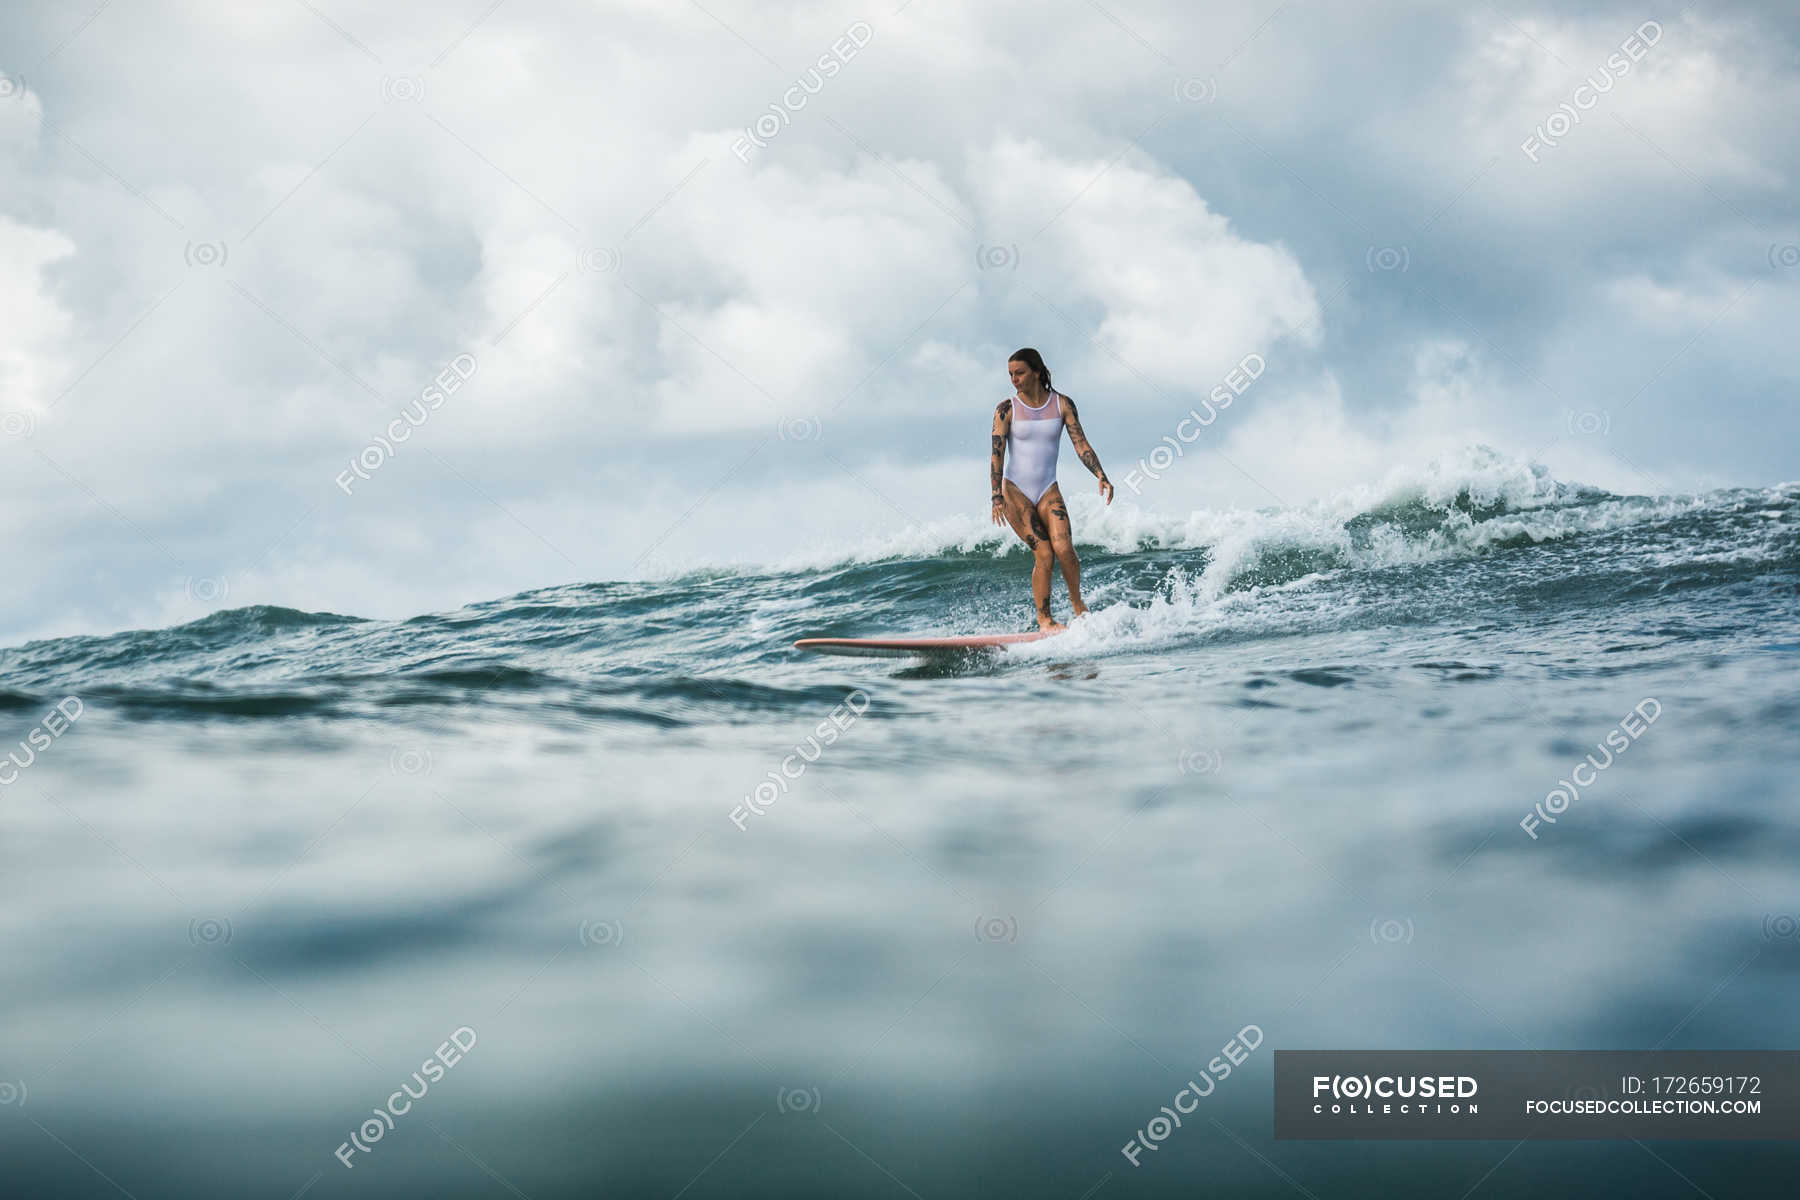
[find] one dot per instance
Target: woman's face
(1022, 375)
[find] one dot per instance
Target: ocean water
(691, 914)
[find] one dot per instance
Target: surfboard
(917, 646)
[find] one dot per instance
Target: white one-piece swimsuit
(1033, 441)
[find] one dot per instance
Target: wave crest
(1471, 502)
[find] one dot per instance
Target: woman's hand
(999, 513)
(1106, 489)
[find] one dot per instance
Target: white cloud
(35, 324)
(1173, 293)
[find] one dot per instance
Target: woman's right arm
(997, 456)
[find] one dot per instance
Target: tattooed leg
(1041, 560)
(1055, 515)
(1029, 525)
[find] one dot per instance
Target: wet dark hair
(1035, 361)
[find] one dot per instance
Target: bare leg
(1055, 516)
(1029, 525)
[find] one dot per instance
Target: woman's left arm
(1083, 451)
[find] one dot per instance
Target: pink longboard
(918, 646)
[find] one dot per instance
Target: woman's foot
(1050, 625)
(1080, 609)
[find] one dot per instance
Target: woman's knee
(1042, 554)
(1063, 548)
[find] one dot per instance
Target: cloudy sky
(736, 281)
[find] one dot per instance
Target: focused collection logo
(1394, 1095)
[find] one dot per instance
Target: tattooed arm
(997, 455)
(1083, 451)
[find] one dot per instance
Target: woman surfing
(1028, 429)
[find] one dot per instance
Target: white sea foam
(1261, 572)
(1459, 505)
